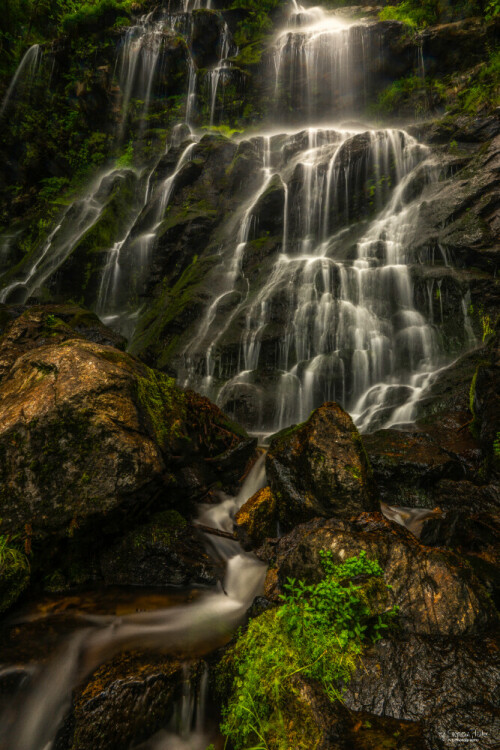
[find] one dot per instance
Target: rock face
(320, 468)
(437, 593)
(87, 430)
(125, 701)
(449, 686)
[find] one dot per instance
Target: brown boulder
(320, 468)
(436, 591)
(86, 430)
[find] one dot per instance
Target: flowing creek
(352, 331)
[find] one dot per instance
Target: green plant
(318, 633)
(10, 555)
(492, 9)
(496, 445)
(127, 158)
(257, 21)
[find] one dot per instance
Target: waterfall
(350, 329)
(24, 75)
(322, 65)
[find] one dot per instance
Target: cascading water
(323, 65)
(24, 75)
(350, 330)
(335, 317)
(32, 723)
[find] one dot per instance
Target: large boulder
(87, 431)
(449, 686)
(437, 592)
(320, 468)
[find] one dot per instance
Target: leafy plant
(10, 555)
(318, 632)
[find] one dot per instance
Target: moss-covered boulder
(320, 468)
(163, 552)
(256, 519)
(87, 430)
(436, 591)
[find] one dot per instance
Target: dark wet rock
(124, 702)
(87, 430)
(436, 591)
(449, 686)
(320, 468)
(268, 211)
(256, 519)
(408, 465)
(206, 33)
(461, 214)
(332, 726)
(450, 47)
(485, 405)
(476, 537)
(163, 552)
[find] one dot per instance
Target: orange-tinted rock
(256, 519)
(320, 468)
(438, 594)
(86, 429)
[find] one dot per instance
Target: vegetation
(257, 21)
(421, 13)
(318, 633)
(14, 571)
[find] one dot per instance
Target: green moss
(318, 633)
(14, 573)
(164, 404)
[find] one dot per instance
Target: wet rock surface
(449, 686)
(163, 552)
(437, 592)
(320, 468)
(98, 431)
(124, 701)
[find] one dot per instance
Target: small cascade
(74, 223)
(111, 302)
(222, 71)
(24, 76)
(323, 65)
(210, 618)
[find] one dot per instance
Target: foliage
(14, 571)
(94, 13)
(127, 158)
(318, 632)
(257, 21)
(10, 555)
(418, 14)
(483, 89)
(492, 9)
(411, 13)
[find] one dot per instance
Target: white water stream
(32, 723)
